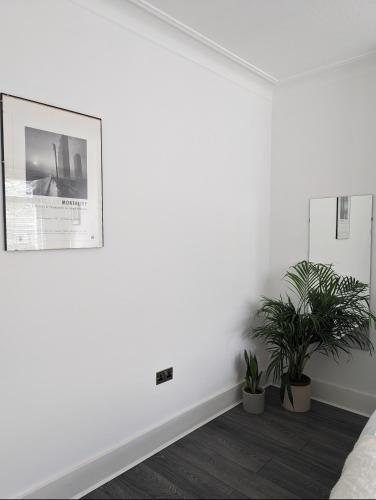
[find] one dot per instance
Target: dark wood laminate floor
(275, 455)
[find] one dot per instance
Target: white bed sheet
(370, 428)
(358, 478)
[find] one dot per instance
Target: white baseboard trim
(345, 398)
(90, 475)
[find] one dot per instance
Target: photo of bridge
(56, 164)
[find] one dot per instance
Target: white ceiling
(279, 39)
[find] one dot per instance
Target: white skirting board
(346, 398)
(103, 468)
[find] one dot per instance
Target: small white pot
(254, 403)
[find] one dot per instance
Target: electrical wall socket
(164, 376)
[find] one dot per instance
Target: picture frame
(343, 217)
(52, 176)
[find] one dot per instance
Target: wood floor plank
(304, 461)
(233, 447)
(330, 457)
(119, 488)
(141, 482)
(190, 476)
(153, 483)
(275, 455)
(308, 427)
(301, 485)
(279, 431)
(250, 484)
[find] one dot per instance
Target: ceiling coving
(277, 39)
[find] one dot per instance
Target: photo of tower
(56, 164)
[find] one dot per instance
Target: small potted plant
(253, 394)
(328, 314)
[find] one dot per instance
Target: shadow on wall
(254, 345)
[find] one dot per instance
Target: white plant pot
(302, 398)
(254, 403)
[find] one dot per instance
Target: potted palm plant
(328, 314)
(253, 394)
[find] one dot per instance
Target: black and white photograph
(52, 177)
(56, 164)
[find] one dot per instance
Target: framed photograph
(52, 176)
(343, 217)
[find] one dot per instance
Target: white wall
(186, 140)
(323, 144)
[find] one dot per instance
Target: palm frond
(330, 316)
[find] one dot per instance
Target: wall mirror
(340, 234)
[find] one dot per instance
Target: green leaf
(289, 392)
(283, 389)
(327, 314)
(253, 376)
